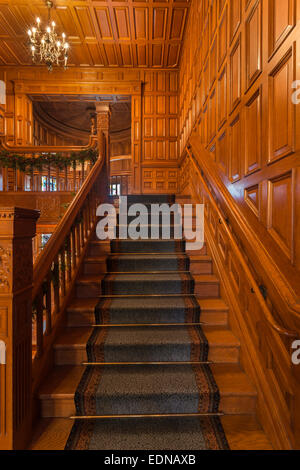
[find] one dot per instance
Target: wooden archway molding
(131, 88)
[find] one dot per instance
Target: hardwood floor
(243, 433)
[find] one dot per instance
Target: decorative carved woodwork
(129, 34)
(17, 228)
(103, 124)
(50, 204)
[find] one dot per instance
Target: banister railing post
(17, 228)
(103, 124)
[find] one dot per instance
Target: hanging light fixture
(46, 46)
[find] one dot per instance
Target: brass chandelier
(46, 46)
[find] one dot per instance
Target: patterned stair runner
(153, 361)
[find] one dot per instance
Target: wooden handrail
(267, 313)
(29, 149)
(46, 257)
(58, 265)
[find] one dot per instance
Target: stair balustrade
(33, 298)
(48, 178)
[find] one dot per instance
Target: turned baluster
(85, 221)
(62, 265)
(39, 309)
(78, 243)
(57, 179)
(82, 173)
(55, 283)
(73, 248)
(74, 178)
(81, 229)
(89, 225)
(66, 179)
(32, 179)
(47, 292)
(48, 177)
(68, 259)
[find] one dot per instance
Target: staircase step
(143, 262)
(243, 432)
(150, 199)
(57, 393)
(98, 247)
(163, 230)
(146, 344)
(213, 311)
(95, 265)
(89, 285)
(207, 286)
(147, 246)
(147, 284)
(201, 252)
(200, 264)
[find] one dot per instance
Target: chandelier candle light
(47, 46)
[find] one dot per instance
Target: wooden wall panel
(282, 20)
(235, 150)
(160, 131)
(254, 128)
(253, 133)
(235, 75)
(281, 108)
(281, 211)
(254, 43)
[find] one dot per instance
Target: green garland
(22, 163)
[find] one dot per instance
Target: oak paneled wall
(154, 125)
(237, 92)
(160, 132)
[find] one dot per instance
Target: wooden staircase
(238, 396)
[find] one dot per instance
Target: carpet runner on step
(153, 361)
(144, 262)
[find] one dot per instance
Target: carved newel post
(103, 122)
(17, 228)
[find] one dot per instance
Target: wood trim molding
(54, 87)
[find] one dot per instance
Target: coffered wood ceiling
(111, 33)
